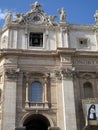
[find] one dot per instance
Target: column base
(22, 128)
(54, 128)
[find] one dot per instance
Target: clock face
(36, 18)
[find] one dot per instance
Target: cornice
(20, 52)
(60, 51)
(80, 27)
(86, 53)
(66, 50)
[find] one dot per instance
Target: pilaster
(68, 107)
(9, 115)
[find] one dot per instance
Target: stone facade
(59, 59)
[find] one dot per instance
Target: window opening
(36, 92)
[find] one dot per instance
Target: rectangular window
(36, 39)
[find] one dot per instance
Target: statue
(96, 17)
(19, 18)
(51, 19)
(8, 18)
(36, 6)
(62, 15)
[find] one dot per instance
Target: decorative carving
(58, 75)
(35, 16)
(67, 73)
(64, 73)
(12, 73)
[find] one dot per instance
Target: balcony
(36, 106)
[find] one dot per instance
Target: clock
(36, 18)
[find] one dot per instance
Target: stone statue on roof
(8, 18)
(36, 6)
(96, 17)
(62, 15)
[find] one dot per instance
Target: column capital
(67, 73)
(58, 74)
(12, 73)
(64, 73)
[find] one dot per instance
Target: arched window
(36, 92)
(88, 90)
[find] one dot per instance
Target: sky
(78, 11)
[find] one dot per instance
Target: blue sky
(78, 11)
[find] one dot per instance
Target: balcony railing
(36, 106)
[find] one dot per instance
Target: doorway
(36, 122)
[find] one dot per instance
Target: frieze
(85, 61)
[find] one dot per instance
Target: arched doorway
(36, 122)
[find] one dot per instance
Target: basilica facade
(48, 72)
